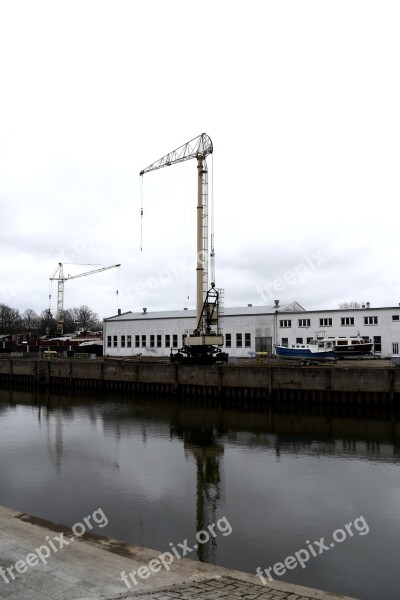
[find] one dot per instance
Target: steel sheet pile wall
(229, 381)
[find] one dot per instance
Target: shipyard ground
(91, 569)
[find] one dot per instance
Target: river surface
(276, 481)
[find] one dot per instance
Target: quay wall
(242, 381)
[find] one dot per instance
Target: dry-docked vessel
(305, 354)
(348, 347)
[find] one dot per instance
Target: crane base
(199, 355)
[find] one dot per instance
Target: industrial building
(252, 329)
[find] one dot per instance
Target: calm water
(161, 471)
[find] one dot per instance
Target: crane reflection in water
(200, 444)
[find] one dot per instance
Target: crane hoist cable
(212, 250)
(117, 290)
(141, 213)
(187, 229)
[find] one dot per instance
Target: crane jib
(199, 147)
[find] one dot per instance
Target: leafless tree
(30, 319)
(10, 319)
(83, 317)
(351, 304)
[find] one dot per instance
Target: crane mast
(59, 276)
(200, 346)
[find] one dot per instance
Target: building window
(158, 341)
(122, 341)
(347, 321)
(395, 348)
(370, 320)
(377, 343)
(167, 340)
(175, 340)
(239, 340)
(151, 341)
(183, 338)
(309, 340)
(129, 341)
(326, 322)
(109, 341)
(137, 341)
(395, 317)
(143, 341)
(228, 340)
(299, 340)
(285, 342)
(247, 340)
(304, 322)
(115, 341)
(285, 323)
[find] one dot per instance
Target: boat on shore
(305, 354)
(92, 347)
(348, 347)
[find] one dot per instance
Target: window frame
(307, 322)
(372, 318)
(344, 319)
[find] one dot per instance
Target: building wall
(268, 325)
(118, 331)
(387, 326)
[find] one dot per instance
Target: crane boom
(199, 147)
(60, 291)
(198, 346)
(53, 278)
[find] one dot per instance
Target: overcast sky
(301, 100)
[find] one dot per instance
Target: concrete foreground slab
(41, 560)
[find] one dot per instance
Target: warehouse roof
(186, 314)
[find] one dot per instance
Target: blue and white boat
(305, 353)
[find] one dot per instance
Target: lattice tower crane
(203, 344)
(59, 276)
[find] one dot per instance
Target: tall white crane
(202, 345)
(59, 276)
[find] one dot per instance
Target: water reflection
(162, 470)
(200, 442)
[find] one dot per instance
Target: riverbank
(365, 380)
(92, 568)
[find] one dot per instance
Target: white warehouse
(252, 329)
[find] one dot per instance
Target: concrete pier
(367, 380)
(91, 569)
